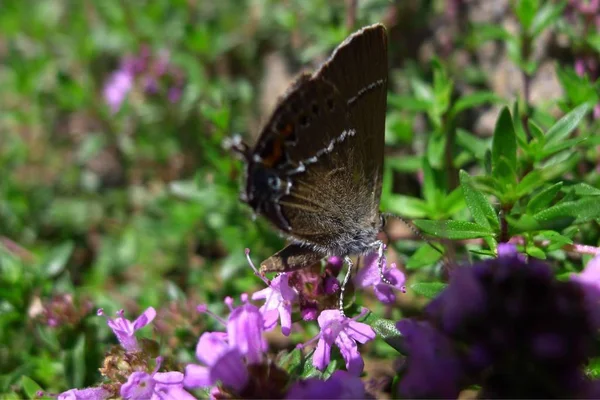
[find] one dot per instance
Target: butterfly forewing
(316, 169)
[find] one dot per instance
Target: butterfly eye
(274, 182)
(304, 122)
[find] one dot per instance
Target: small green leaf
(555, 240)
(551, 149)
(473, 100)
(481, 210)
(504, 144)
(428, 289)
(526, 11)
(430, 190)
(543, 198)
(454, 202)
(526, 223)
(567, 124)
(529, 183)
(506, 176)
(583, 189)
(583, 210)
(546, 16)
(411, 207)
(536, 131)
(57, 259)
(30, 387)
(475, 145)
(536, 252)
(386, 329)
(453, 229)
(424, 256)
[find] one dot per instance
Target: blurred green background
(115, 190)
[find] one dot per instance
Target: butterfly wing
(316, 169)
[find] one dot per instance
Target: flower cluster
(507, 325)
(128, 368)
(153, 74)
(235, 362)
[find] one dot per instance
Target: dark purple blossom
(369, 276)
(433, 368)
(340, 385)
(517, 331)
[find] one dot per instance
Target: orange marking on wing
(276, 153)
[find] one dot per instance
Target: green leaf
(430, 190)
(555, 240)
(551, 149)
(30, 387)
(408, 103)
(453, 229)
(546, 16)
(583, 210)
(475, 145)
(567, 124)
(473, 100)
(583, 189)
(57, 259)
(543, 198)
(454, 202)
(506, 176)
(529, 183)
(386, 329)
(504, 143)
(481, 210)
(535, 251)
(411, 207)
(423, 257)
(536, 131)
(578, 88)
(428, 289)
(526, 11)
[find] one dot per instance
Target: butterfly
(316, 169)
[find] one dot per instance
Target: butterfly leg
(345, 282)
(380, 248)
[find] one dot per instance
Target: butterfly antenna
(237, 145)
(420, 235)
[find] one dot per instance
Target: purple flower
(433, 368)
(369, 276)
(278, 305)
(124, 329)
(245, 331)
(96, 393)
(222, 363)
(344, 332)
(117, 87)
(155, 386)
(340, 385)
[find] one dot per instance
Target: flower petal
(322, 355)
(197, 376)
(144, 319)
(360, 332)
